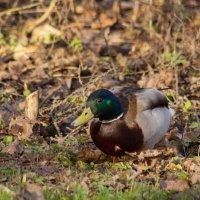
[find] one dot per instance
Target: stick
(32, 105)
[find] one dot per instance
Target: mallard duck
(126, 119)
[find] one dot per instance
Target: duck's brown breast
(116, 134)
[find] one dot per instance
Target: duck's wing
(143, 98)
(149, 109)
(148, 99)
(153, 115)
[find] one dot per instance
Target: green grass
(5, 195)
(138, 191)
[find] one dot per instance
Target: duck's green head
(101, 104)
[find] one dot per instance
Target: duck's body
(139, 121)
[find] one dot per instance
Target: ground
(53, 54)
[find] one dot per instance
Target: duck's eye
(99, 100)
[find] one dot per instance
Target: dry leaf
(21, 127)
(108, 81)
(24, 53)
(192, 165)
(61, 140)
(4, 75)
(6, 112)
(157, 79)
(46, 170)
(174, 184)
(103, 22)
(14, 147)
(142, 47)
(88, 155)
(33, 192)
(44, 33)
(149, 153)
(195, 178)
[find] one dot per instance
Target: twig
(31, 11)
(43, 17)
(32, 105)
(12, 10)
(107, 43)
(182, 141)
(150, 18)
(176, 84)
(49, 95)
(57, 127)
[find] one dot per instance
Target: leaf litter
(79, 47)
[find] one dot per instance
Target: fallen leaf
(61, 140)
(113, 50)
(136, 64)
(192, 165)
(103, 22)
(45, 170)
(14, 147)
(21, 127)
(108, 81)
(4, 74)
(143, 48)
(7, 111)
(24, 53)
(45, 33)
(152, 153)
(174, 184)
(157, 79)
(195, 178)
(33, 192)
(88, 155)
(149, 153)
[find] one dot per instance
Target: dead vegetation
(63, 50)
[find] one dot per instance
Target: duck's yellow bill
(83, 118)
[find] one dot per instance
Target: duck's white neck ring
(106, 122)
